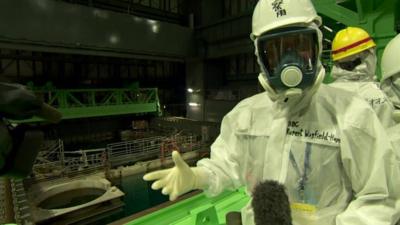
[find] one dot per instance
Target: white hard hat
(390, 59)
(271, 14)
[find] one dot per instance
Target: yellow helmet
(350, 41)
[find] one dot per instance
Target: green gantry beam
(85, 103)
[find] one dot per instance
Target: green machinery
(85, 103)
(197, 210)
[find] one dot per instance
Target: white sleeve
(384, 112)
(370, 164)
(225, 161)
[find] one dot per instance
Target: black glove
(17, 103)
(20, 145)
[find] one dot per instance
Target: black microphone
(271, 204)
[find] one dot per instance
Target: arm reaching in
(179, 179)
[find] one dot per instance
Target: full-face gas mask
(288, 57)
(288, 44)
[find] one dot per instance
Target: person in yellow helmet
(354, 57)
(327, 147)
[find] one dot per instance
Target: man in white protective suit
(390, 82)
(354, 57)
(327, 147)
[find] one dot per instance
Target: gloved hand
(179, 179)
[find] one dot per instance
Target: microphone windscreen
(271, 204)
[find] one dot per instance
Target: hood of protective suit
(391, 87)
(363, 72)
(390, 66)
(293, 100)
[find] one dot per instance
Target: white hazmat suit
(361, 80)
(328, 148)
(390, 82)
(347, 150)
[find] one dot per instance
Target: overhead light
(191, 90)
(328, 28)
(114, 39)
(155, 28)
(151, 22)
(194, 104)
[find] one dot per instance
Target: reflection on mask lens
(289, 49)
(295, 48)
(350, 65)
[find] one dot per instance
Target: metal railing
(84, 161)
(131, 151)
(50, 159)
(53, 162)
(159, 146)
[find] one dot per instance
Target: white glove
(179, 179)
